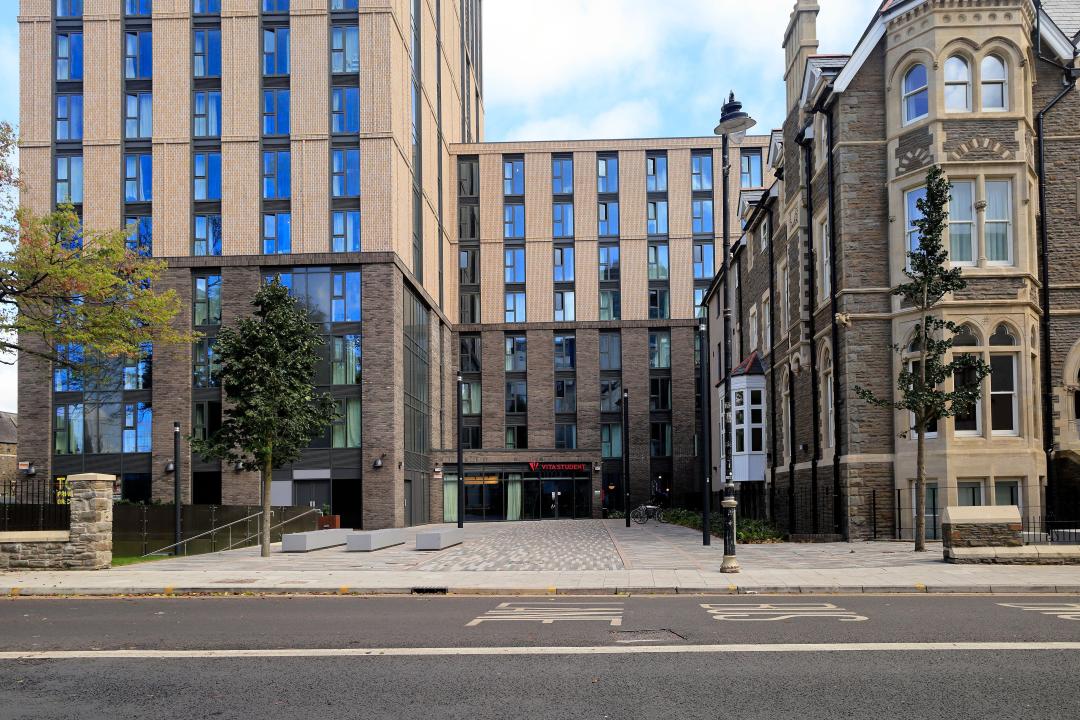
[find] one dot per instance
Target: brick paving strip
(579, 557)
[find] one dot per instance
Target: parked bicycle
(642, 513)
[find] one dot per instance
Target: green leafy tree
(920, 390)
(63, 285)
(268, 364)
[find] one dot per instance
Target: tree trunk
(267, 474)
(920, 491)
(921, 424)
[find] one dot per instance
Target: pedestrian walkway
(569, 557)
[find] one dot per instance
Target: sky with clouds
(576, 69)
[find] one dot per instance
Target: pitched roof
(1066, 15)
(749, 366)
(9, 427)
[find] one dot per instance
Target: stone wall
(86, 545)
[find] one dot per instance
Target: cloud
(635, 118)
(564, 66)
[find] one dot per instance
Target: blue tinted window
(277, 233)
(207, 176)
(701, 172)
(275, 5)
(277, 175)
(138, 423)
(72, 8)
(140, 235)
(514, 265)
(702, 211)
(607, 174)
(345, 171)
(69, 56)
(345, 110)
(345, 49)
(276, 51)
(346, 231)
(69, 179)
(138, 177)
(345, 297)
(562, 220)
(206, 53)
(344, 4)
(137, 7)
(514, 220)
(562, 176)
(207, 111)
(201, 7)
(607, 218)
(514, 177)
(69, 117)
(65, 373)
(138, 55)
(275, 112)
(138, 115)
(207, 234)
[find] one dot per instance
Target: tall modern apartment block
(336, 144)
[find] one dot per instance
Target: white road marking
(548, 613)
(767, 612)
(585, 650)
(1065, 611)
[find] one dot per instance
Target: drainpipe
(1069, 79)
(806, 140)
(772, 370)
(838, 506)
(793, 450)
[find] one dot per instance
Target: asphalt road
(477, 657)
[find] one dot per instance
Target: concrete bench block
(313, 540)
(370, 540)
(439, 539)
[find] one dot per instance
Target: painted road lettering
(1065, 611)
(548, 613)
(767, 612)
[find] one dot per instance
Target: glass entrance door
(557, 499)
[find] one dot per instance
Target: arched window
(827, 393)
(916, 95)
(1002, 336)
(993, 83)
(1004, 415)
(965, 337)
(957, 84)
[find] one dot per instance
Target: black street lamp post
(705, 447)
(733, 122)
(460, 461)
(177, 496)
(626, 454)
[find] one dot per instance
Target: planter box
(329, 522)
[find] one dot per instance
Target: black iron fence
(753, 501)
(1038, 530)
(31, 503)
(905, 516)
(142, 529)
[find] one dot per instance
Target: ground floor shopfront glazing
(527, 491)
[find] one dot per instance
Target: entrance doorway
(557, 499)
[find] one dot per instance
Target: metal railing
(30, 503)
(1038, 530)
(228, 528)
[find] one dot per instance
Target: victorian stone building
(336, 144)
(985, 89)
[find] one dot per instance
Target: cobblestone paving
(554, 545)
(672, 547)
(560, 545)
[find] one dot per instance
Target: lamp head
(733, 121)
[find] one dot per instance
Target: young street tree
(268, 366)
(63, 287)
(921, 388)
